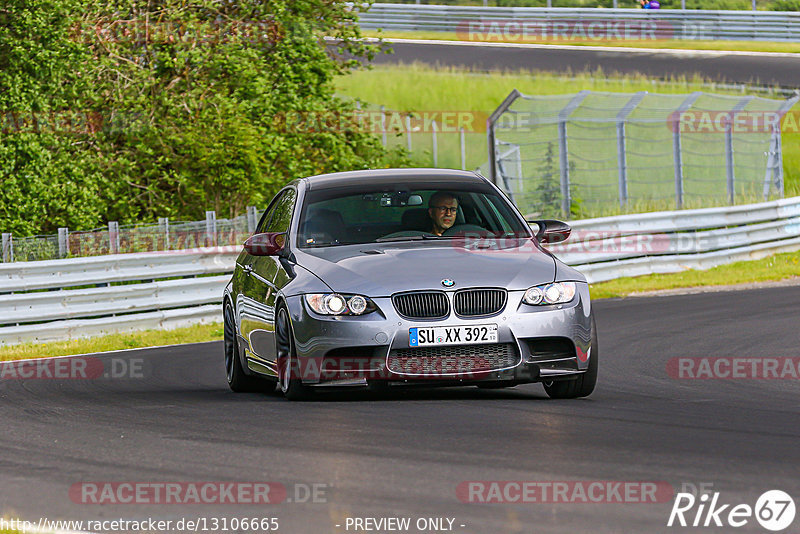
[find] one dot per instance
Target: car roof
(389, 176)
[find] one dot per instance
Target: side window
(262, 224)
(282, 217)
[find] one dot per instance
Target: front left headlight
(555, 293)
(338, 304)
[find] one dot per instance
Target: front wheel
(289, 375)
(238, 381)
(581, 386)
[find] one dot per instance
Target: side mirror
(552, 231)
(266, 244)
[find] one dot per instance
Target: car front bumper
(543, 343)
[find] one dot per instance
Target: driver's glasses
(446, 210)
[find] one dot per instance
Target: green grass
(777, 267)
(131, 340)
(745, 46)
(419, 88)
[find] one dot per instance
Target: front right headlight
(555, 293)
(337, 304)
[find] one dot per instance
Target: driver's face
(443, 214)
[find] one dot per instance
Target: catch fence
(609, 152)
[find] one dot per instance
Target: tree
(185, 104)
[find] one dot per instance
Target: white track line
(630, 50)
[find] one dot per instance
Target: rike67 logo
(774, 510)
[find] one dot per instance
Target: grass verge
(128, 340)
(777, 267)
(737, 46)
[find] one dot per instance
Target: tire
(288, 369)
(584, 385)
(238, 381)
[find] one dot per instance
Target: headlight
(336, 304)
(555, 293)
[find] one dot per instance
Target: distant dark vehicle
(385, 278)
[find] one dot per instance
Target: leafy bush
(133, 110)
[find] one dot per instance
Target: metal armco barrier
(603, 249)
(71, 309)
(672, 241)
(541, 23)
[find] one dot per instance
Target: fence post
(774, 172)
(113, 237)
(252, 219)
(622, 161)
(211, 229)
(491, 139)
(383, 125)
(463, 151)
(435, 144)
(677, 152)
(63, 242)
(563, 157)
(163, 227)
(730, 172)
(8, 248)
(408, 132)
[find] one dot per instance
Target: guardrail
(569, 24)
(672, 241)
(60, 299)
(57, 299)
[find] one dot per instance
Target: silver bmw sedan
(405, 277)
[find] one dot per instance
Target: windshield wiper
(411, 238)
(400, 238)
(327, 244)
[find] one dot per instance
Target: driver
(442, 209)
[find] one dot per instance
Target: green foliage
(175, 107)
(548, 189)
(785, 5)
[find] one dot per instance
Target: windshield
(346, 216)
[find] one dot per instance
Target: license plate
(452, 335)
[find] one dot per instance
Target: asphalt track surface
(404, 454)
(767, 69)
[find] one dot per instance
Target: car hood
(379, 270)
